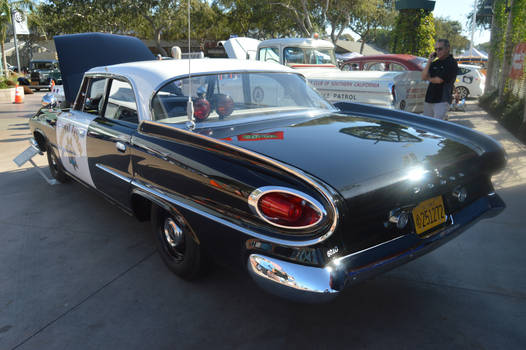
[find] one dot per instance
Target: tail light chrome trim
(255, 196)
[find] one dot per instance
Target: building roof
(354, 46)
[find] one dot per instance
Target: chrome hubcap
(172, 233)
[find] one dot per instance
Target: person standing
(441, 72)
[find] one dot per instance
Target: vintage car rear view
(266, 175)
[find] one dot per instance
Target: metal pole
(14, 35)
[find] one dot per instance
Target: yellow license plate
(35, 83)
(428, 214)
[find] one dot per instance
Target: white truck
(404, 90)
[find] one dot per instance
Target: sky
(458, 10)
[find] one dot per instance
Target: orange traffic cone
(52, 85)
(19, 94)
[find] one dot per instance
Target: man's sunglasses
(439, 48)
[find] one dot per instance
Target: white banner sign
(20, 22)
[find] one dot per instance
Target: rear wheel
(55, 167)
(176, 244)
(462, 91)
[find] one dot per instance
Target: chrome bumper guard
(321, 284)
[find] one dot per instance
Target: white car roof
(149, 75)
(298, 42)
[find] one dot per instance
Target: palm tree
(5, 20)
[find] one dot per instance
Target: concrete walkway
(77, 273)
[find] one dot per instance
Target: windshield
(235, 96)
(299, 55)
(44, 65)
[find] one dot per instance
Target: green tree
(369, 16)
(451, 30)
(414, 32)
(382, 39)
(339, 16)
(309, 15)
(78, 16)
(255, 18)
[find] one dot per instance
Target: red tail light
(288, 210)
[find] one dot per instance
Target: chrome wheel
(462, 91)
(173, 239)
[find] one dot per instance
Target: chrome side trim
(287, 168)
(292, 281)
(114, 173)
(254, 197)
(168, 198)
(338, 260)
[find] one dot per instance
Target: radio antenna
(189, 105)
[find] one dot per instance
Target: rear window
(235, 96)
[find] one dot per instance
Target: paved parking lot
(78, 273)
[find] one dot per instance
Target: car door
(109, 136)
(72, 130)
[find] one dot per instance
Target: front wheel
(55, 167)
(176, 244)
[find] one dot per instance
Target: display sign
(20, 23)
(517, 61)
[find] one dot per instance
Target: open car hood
(78, 53)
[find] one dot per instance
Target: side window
(293, 55)
(378, 66)
(91, 95)
(462, 71)
(121, 103)
(396, 67)
(269, 54)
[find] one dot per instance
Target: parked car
(387, 62)
(41, 73)
(470, 81)
(265, 174)
(478, 61)
(315, 59)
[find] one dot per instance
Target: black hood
(78, 53)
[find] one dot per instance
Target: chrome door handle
(121, 147)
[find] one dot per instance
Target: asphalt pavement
(78, 273)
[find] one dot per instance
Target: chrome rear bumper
(320, 284)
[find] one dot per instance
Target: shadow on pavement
(78, 273)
